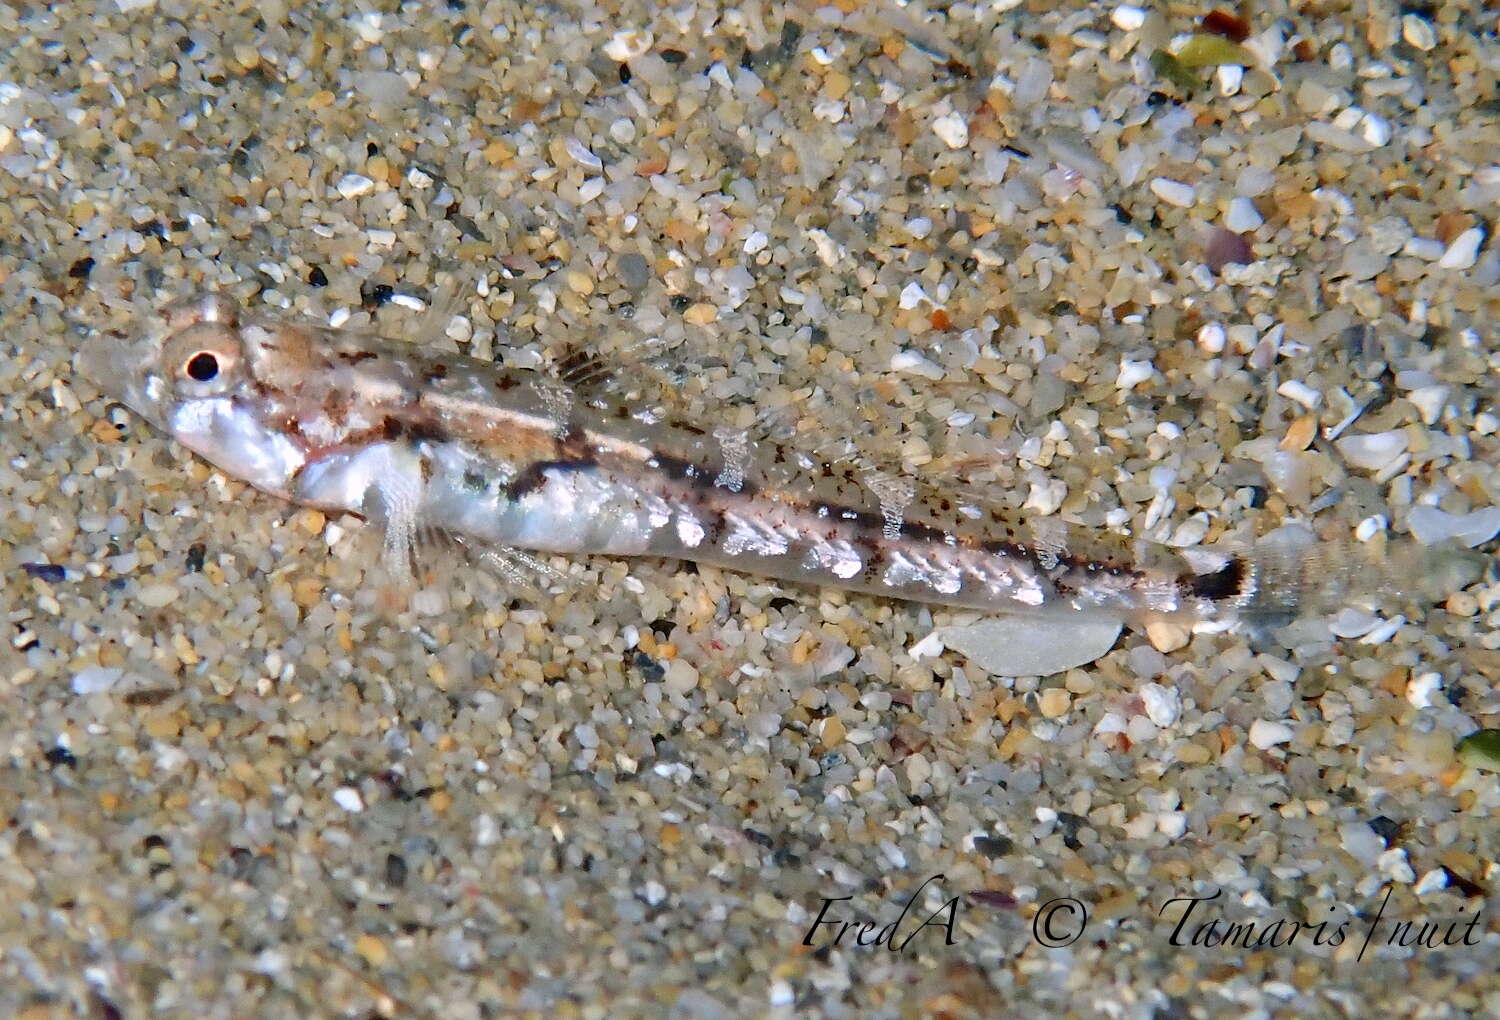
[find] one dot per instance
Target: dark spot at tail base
(1226, 583)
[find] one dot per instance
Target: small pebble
(1296, 389)
(1299, 435)
(1054, 702)
(1361, 262)
(1353, 623)
(953, 129)
(1133, 373)
(635, 271)
(1265, 734)
(1229, 78)
(1384, 631)
(348, 798)
(1173, 192)
(355, 185)
(929, 647)
(1464, 250)
(590, 189)
(681, 677)
(385, 89)
(831, 732)
(372, 950)
(622, 130)
(1168, 635)
(1127, 17)
(582, 154)
(1146, 662)
(1422, 688)
(1375, 129)
(1430, 526)
(1361, 842)
(1163, 704)
(1019, 646)
(1433, 881)
(430, 602)
(1242, 216)
(487, 830)
(1253, 180)
(95, 679)
(1226, 248)
(1426, 248)
(1429, 402)
(155, 596)
(915, 363)
(1372, 451)
(1418, 32)
(628, 44)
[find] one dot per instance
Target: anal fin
(522, 571)
(518, 571)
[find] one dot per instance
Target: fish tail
(1291, 573)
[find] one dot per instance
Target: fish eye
(202, 367)
(202, 360)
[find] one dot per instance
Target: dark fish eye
(203, 366)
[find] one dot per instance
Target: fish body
(511, 458)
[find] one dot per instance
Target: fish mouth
(119, 369)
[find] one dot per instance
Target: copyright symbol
(1060, 922)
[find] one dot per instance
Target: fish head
(189, 374)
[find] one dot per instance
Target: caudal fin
(1292, 573)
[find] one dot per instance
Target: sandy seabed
(238, 784)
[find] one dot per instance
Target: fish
(516, 459)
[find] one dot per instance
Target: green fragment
(1166, 65)
(1213, 51)
(1481, 750)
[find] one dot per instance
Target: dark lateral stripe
(1226, 583)
(1011, 550)
(534, 477)
(681, 470)
(677, 469)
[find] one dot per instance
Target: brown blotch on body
(336, 407)
(416, 429)
(715, 529)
